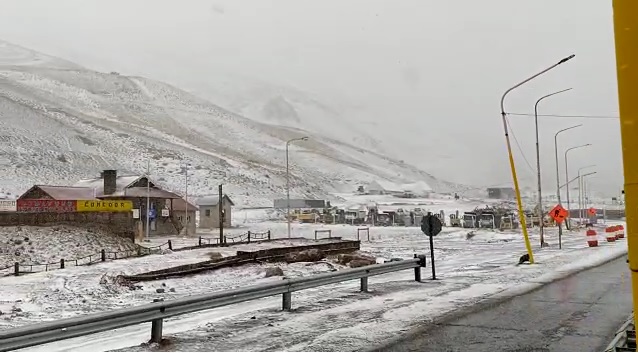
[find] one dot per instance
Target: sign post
(431, 226)
(558, 213)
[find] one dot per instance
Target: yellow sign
(104, 206)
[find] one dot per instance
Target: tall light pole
(305, 138)
(569, 212)
(580, 194)
(186, 199)
(538, 165)
(560, 225)
(521, 214)
(148, 198)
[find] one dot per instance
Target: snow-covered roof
(123, 188)
(66, 192)
(121, 182)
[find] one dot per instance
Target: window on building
(207, 213)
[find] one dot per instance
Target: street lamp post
(580, 194)
(521, 215)
(538, 165)
(560, 225)
(186, 199)
(569, 211)
(305, 138)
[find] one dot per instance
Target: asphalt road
(580, 313)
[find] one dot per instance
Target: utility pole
(186, 199)
(288, 218)
(541, 214)
(521, 214)
(560, 225)
(569, 212)
(148, 198)
(220, 206)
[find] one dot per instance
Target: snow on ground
(335, 317)
(42, 245)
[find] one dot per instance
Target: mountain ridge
(64, 123)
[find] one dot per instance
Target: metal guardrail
(156, 312)
(625, 338)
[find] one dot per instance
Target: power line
(520, 149)
(569, 116)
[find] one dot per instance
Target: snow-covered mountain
(60, 122)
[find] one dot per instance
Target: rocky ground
(41, 245)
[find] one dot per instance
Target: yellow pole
(626, 36)
(521, 214)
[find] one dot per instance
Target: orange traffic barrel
(592, 238)
(610, 234)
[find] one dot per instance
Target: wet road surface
(580, 313)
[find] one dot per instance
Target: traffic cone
(592, 238)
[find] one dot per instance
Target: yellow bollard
(626, 37)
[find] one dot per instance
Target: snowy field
(333, 318)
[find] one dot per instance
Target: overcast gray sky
(427, 63)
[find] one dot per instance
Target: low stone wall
(119, 223)
(243, 257)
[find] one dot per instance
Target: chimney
(109, 177)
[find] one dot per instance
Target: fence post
(103, 254)
(287, 301)
(249, 236)
(156, 326)
(16, 269)
(417, 271)
(170, 245)
(200, 241)
(268, 234)
(315, 235)
(61, 263)
(364, 284)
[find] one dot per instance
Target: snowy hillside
(61, 123)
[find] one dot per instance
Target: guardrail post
(364, 284)
(16, 269)
(249, 236)
(315, 235)
(61, 263)
(200, 241)
(170, 245)
(287, 301)
(156, 326)
(268, 234)
(417, 270)
(103, 254)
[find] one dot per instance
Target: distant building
(178, 208)
(209, 211)
(110, 186)
(501, 193)
(301, 204)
